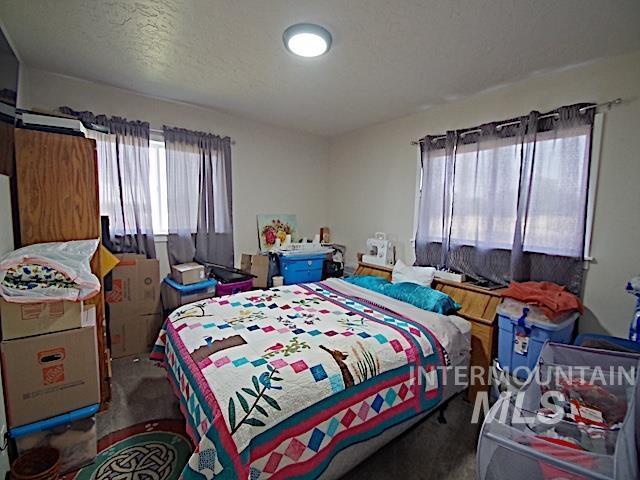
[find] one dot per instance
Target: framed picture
(274, 226)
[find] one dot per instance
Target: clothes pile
(554, 300)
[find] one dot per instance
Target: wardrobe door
(57, 183)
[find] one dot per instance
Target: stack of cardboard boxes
(50, 370)
(135, 313)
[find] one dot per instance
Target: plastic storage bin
(230, 288)
(523, 330)
(517, 440)
(302, 268)
(73, 434)
(175, 294)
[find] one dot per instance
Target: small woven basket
(37, 464)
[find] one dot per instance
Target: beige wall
(275, 170)
(365, 181)
(373, 174)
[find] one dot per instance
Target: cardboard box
(172, 299)
(135, 285)
(48, 375)
(188, 273)
(133, 335)
(26, 319)
(257, 265)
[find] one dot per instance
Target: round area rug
(156, 450)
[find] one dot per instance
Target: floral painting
(272, 227)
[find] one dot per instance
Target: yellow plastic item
(108, 261)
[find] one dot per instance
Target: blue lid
(193, 288)
(302, 257)
(53, 422)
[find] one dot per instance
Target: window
(485, 191)
(158, 187)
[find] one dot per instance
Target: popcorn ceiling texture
(389, 58)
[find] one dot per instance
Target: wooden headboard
(477, 305)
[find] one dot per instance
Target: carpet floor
(429, 450)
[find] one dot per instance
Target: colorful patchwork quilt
(275, 383)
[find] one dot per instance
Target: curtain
(199, 197)
(549, 243)
(123, 172)
(507, 200)
(432, 237)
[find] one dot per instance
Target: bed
(305, 381)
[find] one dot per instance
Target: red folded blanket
(552, 298)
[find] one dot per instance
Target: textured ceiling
(389, 58)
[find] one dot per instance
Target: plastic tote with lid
(523, 330)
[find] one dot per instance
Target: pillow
(419, 296)
(422, 297)
(370, 282)
(405, 273)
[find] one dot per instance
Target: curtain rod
(608, 104)
(158, 131)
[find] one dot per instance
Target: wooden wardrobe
(56, 191)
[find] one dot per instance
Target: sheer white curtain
(199, 196)
(558, 197)
(183, 198)
(485, 192)
(109, 186)
(123, 158)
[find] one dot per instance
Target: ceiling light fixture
(307, 39)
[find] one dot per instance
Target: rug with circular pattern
(156, 450)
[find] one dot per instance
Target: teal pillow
(417, 295)
(422, 297)
(370, 282)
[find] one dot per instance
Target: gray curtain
(549, 139)
(123, 164)
(434, 221)
(199, 197)
(507, 200)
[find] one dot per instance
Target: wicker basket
(37, 464)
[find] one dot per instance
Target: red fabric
(552, 298)
(570, 453)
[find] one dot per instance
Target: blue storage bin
(74, 434)
(302, 268)
(522, 335)
(175, 294)
(197, 287)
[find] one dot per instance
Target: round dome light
(307, 39)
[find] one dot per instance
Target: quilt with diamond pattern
(274, 383)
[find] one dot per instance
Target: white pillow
(405, 273)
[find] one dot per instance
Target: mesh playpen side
(516, 441)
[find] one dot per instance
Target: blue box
(175, 294)
(520, 339)
(302, 268)
(74, 434)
